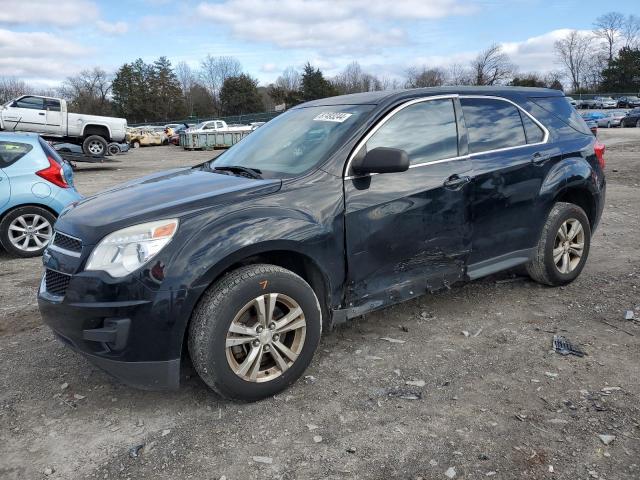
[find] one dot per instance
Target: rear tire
(243, 354)
(36, 223)
(94, 145)
(563, 247)
(113, 149)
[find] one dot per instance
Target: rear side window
(11, 152)
(532, 131)
(492, 124)
(52, 105)
(427, 131)
(34, 103)
(561, 108)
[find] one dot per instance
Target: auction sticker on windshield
(338, 117)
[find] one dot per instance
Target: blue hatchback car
(36, 184)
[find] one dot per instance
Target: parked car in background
(36, 185)
(591, 119)
(628, 102)
(335, 208)
(50, 118)
(175, 138)
(632, 119)
(587, 103)
(218, 126)
(611, 119)
(146, 137)
(605, 102)
(572, 101)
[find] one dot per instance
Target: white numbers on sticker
(338, 117)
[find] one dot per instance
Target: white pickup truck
(218, 126)
(50, 118)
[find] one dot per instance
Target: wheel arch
(583, 198)
(97, 129)
(39, 205)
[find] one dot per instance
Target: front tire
(563, 247)
(254, 332)
(94, 145)
(26, 231)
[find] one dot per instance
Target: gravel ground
(494, 403)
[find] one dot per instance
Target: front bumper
(130, 331)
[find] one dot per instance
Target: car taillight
(53, 173)
(599, 149)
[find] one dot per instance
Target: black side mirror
(381, 160)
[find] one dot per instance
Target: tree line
(605, 59)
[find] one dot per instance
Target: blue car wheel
(26, 231)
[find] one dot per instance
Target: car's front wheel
(26, 231)
(563, 247)
(254, 332)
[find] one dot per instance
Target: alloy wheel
(30, 232)
(265, 337)
(568, 246)
(96, 147)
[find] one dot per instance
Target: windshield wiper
(243, 171)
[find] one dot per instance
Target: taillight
(53, 173)
(599, 149)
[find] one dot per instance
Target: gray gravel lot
(494, 404)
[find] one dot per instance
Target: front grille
(66, 242)
(56, 283)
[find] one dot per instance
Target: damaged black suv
(333, 209)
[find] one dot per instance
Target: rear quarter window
(561, 108)
(492, 124)
(11, 152)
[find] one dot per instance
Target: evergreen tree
(239, 95)
(623, 72)
(314, 85)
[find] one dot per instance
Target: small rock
(391, 340)
(267, 460)
(317, 438)
(77, 396)
(135, 451)
(416, 383)
(610, 389)
(550, 468)
(312, 427)
(607, 439)
(466, 333)
(450, 473)
(351, 449)
(551, 374)
(629, 315)
(48, 471)
(433, 463)
(64, 386)
(166, 432)
(490, 474)
(372, 357)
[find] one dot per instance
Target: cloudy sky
(43, 41)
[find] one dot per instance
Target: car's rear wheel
(254, 332)
(26, 231)
(563, 247)
(135, 144)
(94, 145)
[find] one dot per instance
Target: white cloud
(36, 54)
(113, 28)
(269, 68)
(353, 26)
(49, 12)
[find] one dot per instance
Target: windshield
(294, 141)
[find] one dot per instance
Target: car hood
(169, 194)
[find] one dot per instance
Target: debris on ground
(607, 439)
(64, 386)
(450, 473)
(404, 394)
(317, 438)
(416, 383)
(564, 347)
(267, 460)
(312, 427)
(351, 449)
(629, 315)
(135, 450)
(551, 374)
(391, 340)
(166, 432)
(466, 333)
(309, 379)
(48, 471)
(609, 390)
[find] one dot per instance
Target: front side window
(34, 103)
(492, 124)
(427, 131)
(11, 152)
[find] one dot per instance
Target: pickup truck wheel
(563, 247)
(26, 231)
(254, 332)
(94, 145)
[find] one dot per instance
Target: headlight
(126, 250)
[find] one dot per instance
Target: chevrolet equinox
(336, 208)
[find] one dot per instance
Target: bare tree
(425, 77)
(609, 27)
(11, 88)
(215, 70)
(353, 80)
(289, 80)
(458, 75)
(88, 92)
(573, 52)
(492, 66)
(631, 32)
(187, 80)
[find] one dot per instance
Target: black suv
(632, 119)
(333, 209)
